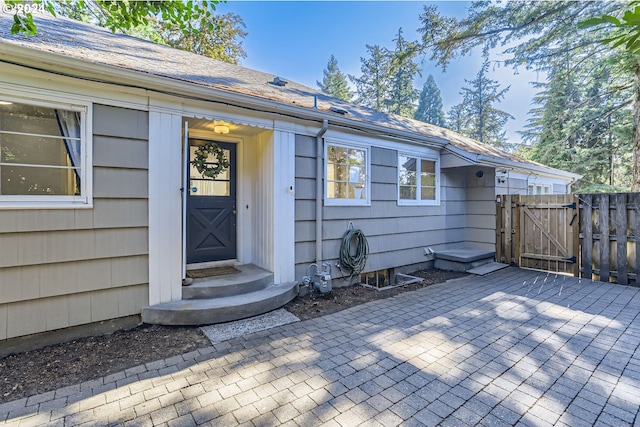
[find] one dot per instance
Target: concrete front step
(250, 279)
(462, 259)
(219, 310)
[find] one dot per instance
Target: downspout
(319, 192)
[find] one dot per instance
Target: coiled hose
(354, 239)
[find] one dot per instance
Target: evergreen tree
(372, 87)
(582, 124)
(334, 82)
(430, 104)
(485, 122)
(535, 34)
(456, 119)
(402, 95)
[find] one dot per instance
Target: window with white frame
(347, 174)
(536, 189)
(418, 180)
(43, 153)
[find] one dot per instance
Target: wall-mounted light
(221, 129)
(480, 174)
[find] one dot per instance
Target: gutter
(319, 192)
(55, 63)
(481, 159)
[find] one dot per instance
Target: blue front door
(211, 209)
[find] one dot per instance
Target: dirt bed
(61, 365)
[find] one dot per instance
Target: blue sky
(294, 39)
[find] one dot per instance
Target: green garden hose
(354, 240)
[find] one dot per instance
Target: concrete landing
(462, 259)
(250, 279)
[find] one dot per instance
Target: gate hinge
(570, 205)
(572, 260)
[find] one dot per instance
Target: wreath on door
(201, 155)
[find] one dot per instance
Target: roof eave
(511, 164)
(481, 159)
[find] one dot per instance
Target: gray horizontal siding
(66, 267)
(396, 234)
(480, 231)
(106, 213)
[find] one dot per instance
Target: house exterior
(100, 211)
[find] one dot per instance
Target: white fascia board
(73, 67)
(537, 169)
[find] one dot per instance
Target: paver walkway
(515, 347)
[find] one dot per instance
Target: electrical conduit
(319, 190)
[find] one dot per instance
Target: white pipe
(185, 192)
(319, 189)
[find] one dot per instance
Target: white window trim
(406, 202)
(542, 187)
(85, 200)
(347, 202)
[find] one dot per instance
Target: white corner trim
(284, 206)
(165, 207)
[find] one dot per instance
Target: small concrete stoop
(473, 261)
(223, 299)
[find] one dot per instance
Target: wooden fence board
(635, 230)
(500, 231)
(603, 228)
(587, 232)
(515, 237)
(621, 239)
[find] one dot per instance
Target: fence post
(517, 228)
(575, 230)
(621, 239)
(586, 226)
(508, 223)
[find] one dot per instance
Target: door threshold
(213, 264)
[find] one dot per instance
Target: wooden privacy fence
(589, 235)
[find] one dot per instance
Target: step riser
(199, 290)
(194, 316)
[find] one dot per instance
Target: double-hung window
(347, 174)
(418, 180)
(43, 154)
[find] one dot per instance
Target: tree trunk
(635, 183)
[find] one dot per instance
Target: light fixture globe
(221, 129)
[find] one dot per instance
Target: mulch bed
(38, 371)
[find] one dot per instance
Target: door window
(204, 186)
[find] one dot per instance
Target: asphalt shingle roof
(100, 46)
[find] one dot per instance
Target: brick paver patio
(515, 347)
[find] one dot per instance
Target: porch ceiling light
(221, 129)
(5, 103)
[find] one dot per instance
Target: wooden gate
(540, 232)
